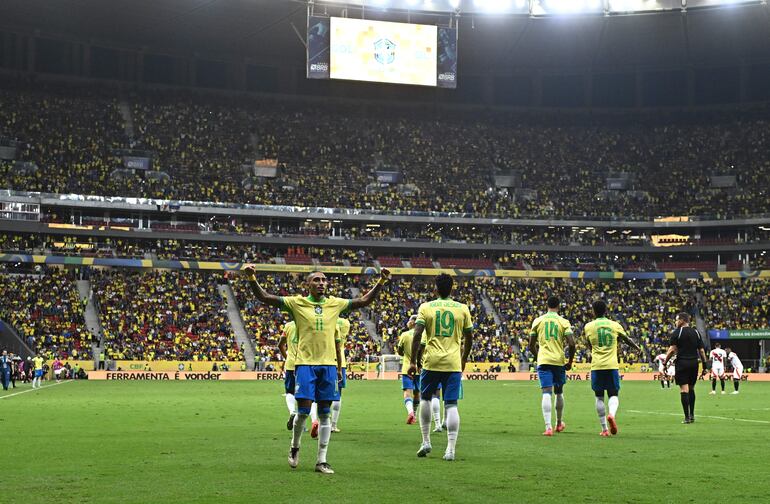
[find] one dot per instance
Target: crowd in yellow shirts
(164, 315)
(207, 144)
(180, 315)
(737, 304)
(47, 312)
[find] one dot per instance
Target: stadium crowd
(164, 315)
(47, 313)
(737, 304)
(167, 315)
(447, 159)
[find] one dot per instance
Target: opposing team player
(737, 366)
(318, 364)
(660, 360)
(546, 342)
(410, 385)
(718, 357)
(603, 336)
(343, 329)
(287, 345)
(448, 329)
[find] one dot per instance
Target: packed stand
(206, 145)
(164, 315)
(737, 304)
(47, 313)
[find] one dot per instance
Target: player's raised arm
(260, 293)
(367, 298)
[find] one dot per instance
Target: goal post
(391, 363)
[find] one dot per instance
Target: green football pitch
(161, 442)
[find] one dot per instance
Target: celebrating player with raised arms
(603, 336)
(737, 366)
(318, 364)
(410, 385)
(718, 357)
(448, 335)
(546, 342)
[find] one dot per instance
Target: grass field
(190, 442)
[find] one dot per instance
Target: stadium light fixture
(498, 5)
(455, 4)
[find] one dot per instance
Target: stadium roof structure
(269, 32)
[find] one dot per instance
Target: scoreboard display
(380, 51)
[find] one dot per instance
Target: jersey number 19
(445, 324)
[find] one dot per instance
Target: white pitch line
(32, 389)
(701, 416)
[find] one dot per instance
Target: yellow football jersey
(290, 332)
(316, 322)
(551, 330)
(405, 340)
(603, 334)
(445, 321)
(38, 363)
(343, 329)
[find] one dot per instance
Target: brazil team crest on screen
(384, 51)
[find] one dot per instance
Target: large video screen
(379, 51)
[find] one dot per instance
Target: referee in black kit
(687, 344)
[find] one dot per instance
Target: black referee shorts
(686, 371)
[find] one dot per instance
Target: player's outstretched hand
(384, 276)
(250, 271)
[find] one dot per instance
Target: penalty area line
(701, 416)
(33, 389)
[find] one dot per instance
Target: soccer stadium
(384, 251)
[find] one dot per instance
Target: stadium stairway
(700, 323)
(128, 120)
(236, 322)
(93, 323)
(371, 327)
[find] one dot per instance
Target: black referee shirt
(687, 341)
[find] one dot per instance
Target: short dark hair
(600, 308)
(310, 275)
(684, 317)
(553, 301)
(444, 284)
(718, 344)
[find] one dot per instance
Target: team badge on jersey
(319, 310)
